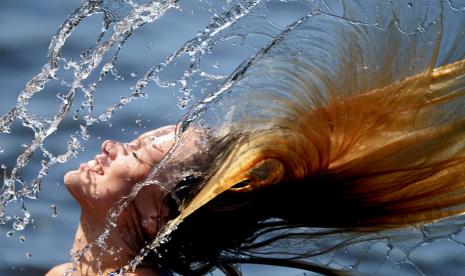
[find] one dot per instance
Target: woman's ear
(153, 209)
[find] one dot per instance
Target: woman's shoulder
(143, 270)
(59, 270)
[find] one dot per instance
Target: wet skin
(100, 184)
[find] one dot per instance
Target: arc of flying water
(45, 127)
(164, 234)
(195, 204)
(35, 85)
(195, 47)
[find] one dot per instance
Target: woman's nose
(111, 149)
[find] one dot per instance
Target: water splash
(44, 127)
(54, 211)
(241, 21)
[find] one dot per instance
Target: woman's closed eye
(137, 157)
(140, 159)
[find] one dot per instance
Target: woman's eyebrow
(144, 138)
(151, 143)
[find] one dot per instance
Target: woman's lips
(92, 166)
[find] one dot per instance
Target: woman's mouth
(93, 166)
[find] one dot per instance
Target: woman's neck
(100, 255)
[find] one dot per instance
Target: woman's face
(100, 183)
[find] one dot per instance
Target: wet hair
(233, 227)
(359, 167)
(224, 232)
(362, 135)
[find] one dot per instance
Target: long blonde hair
(391, 140)
(339, 124)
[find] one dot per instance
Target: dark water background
(26, 27)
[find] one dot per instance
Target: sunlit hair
(376, 161)
(374, 141)
(397, 148)
(387, 150)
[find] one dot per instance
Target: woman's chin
(71, 178)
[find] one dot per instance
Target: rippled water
(25, 32)
(153, 82)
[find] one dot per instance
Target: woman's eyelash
(135, 155)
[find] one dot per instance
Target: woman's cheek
(121, 169)
(138, 171)
(140, 174)
(125, 174)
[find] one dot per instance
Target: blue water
(26, 27)
(25, 31)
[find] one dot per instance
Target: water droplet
(84, 133)
(60, 96)
(28, 255)
(3, 166)
(397, 255)
(18, 226)
(54, 210)
(133, 74)
(10, 233)
(410, 4)
(22, 238)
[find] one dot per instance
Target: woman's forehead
(147, 134)
(163, 131)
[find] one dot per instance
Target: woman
(100, 184)
(238, 184)
(363, 135)
(238, 193)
